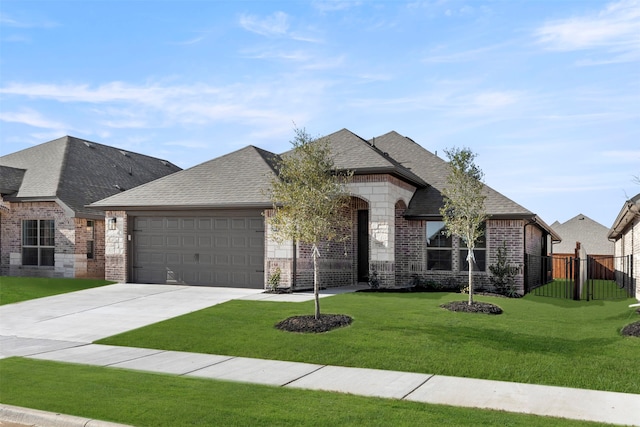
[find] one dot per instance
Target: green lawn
(537, 340)
(144, 399)
(16, 289)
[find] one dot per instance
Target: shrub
(503, 274)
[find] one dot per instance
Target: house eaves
(628, 213)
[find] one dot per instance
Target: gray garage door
(210, 251)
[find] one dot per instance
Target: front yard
(16, 289)
(154, 400)
(537, 340)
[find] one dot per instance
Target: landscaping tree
(463, 211)
(309, 199)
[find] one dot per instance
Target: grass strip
(536, 340)
(144, 399)
(16, 289)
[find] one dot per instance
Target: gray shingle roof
(238, 179)
(353, 153)
(426, 202)
(78, 172)
(591, 234)
(10, 180)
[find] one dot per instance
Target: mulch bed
(476, 307)
(632, 330)
(309, 324)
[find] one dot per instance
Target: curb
(34, 417)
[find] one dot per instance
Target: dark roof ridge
(270, 158)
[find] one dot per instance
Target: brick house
(625, 234)
(205, 225)
(45, 227)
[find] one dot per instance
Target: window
(90, 239)
(38, 242)
(438, 246)
(479, 253)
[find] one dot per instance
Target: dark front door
(363, 245)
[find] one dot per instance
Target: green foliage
(503, 274)
(16, 289)
(308, 194)
(309, 199)
(463, 211)
(274, 279)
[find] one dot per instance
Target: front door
(363, 246)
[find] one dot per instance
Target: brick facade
(397, 246)
(70, 257)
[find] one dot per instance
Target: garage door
(210, 251)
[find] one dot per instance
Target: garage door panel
(205, 224)
(239, 242)
(210, 251)
(222, 260)
(189, 241)
(204, 241)
(173, 242)
(221, 224)
(173, 258)
(222, 242)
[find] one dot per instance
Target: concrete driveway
(81, 317)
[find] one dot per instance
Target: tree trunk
(470, 260)
(315, 282)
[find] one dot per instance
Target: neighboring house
(593, 238)
(625, 233)
(206, 225)
(45, 227)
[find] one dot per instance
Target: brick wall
(84, 266)
(510, 232)
(336, 264)
(410, 252)
(116, 247)
(11, 223)
(410, 255)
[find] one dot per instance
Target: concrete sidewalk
(50, 335)
(562, 402)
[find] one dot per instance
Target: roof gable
(591, 234)
(78, 172)
(10, 179)
(43, 166)
(434, 170)
(241, 178)
(353, 153)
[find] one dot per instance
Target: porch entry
(363, 245)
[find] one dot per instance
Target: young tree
(463, 212)
(309, 199)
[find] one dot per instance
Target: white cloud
(463, 56)
(9, 21)
(615, 30)
(32, 118)
(271, 26)
(335, 5)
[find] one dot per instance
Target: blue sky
(547, 93)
